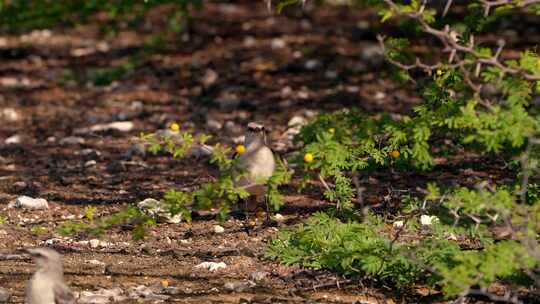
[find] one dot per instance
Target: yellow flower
(240, 149)
(439, 72)
(332, 130)
(174, 127)
(395, 154)
(308, 157)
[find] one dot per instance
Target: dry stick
(450, 43)
(489, 4)
(447, 7)
(338, 206)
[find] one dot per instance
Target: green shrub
(455, 115)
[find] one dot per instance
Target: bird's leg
(246, 211)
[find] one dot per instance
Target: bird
(47, 285)
(255, 165)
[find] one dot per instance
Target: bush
(456, 111)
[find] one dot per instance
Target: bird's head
(255, 135)
(45, 257)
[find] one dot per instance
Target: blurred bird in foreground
(255, 166)
(47, 284)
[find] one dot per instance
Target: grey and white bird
(257, 164)
(47, 285)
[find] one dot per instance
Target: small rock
(153, 208)
(94, 243)
(249, 41)
(10, 114)
(71, 140)
(212, 266)
(90, 163)
(398, 224)
(372, 54)
(209, 78)
(380, 95)
(427, 220)
(218, 229)
(286, 91)
(303, 94)
(5, 295)
(27, 202)
(19, 186)
(137, 149)
(87, 297)
(13, 140)
(213, 125)
(258, 276)
(232, 128)
(172, 290)
(312, 64)
(122, 126)
(278, 43)
(330, 74)
(89, 154)
(200, 151)
(297, 121)
(279, 218)
(95, 262)
(239, 286)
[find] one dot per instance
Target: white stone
(297, 121)
(13, 140)
(212, 266)
(122, 126)
(94, 243)
(218, 229)
(279, 218)
(398, 224)
(427, 220)
(27, 202)
(278, 43)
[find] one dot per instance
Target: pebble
(90, 163)
(278, 43)
(239, 286)
(152, 207)
(373, 54)
(427, 220)
(312, 64)
(398, 224)
(13, 140)
(212, 266)
(94, 243)
(10, 114)
(258, 276)
(122, 126)
(380, 95)
(71, 140)
(27, 202)
(218, 229)
(232, 128)
(213, 125)
(209, 78)
(297, 121)
(279, 218)
(90, 154)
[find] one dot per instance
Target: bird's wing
(63, 295)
